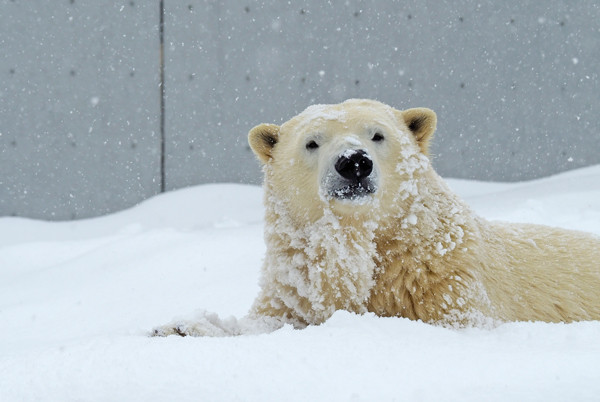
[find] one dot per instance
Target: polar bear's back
(536, 272)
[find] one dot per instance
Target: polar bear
(357, 219)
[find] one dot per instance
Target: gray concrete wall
(515, 85)
(79, 106)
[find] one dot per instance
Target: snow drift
(77, 299)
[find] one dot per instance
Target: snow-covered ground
(77, 298)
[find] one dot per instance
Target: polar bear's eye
(312, 145)
(378, 137)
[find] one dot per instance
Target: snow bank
(76, 299)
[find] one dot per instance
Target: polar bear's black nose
(354, 164)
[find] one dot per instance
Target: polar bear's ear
(421, 122)
(262, 139)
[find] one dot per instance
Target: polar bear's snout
(354, 165)
(352, 177)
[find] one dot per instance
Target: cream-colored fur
(411, 248)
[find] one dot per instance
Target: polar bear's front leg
(203, 324)
(209, 324)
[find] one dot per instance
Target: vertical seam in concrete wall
(161, 29)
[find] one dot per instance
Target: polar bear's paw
(203, 324)
(209, 324)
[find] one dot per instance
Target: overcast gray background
(514, 83)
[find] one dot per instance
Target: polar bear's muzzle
(354, 176)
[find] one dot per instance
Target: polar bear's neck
(317, 268)
(425, 252)
(433, 220)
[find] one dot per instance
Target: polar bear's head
(345, 156)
